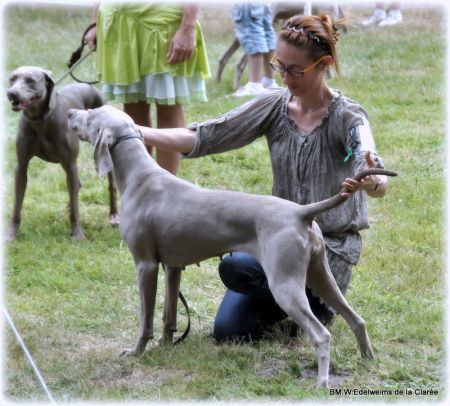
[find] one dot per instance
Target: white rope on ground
(28, 355)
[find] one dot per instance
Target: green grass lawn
(76, 304)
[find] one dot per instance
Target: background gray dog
(170, 221)
(43, 132)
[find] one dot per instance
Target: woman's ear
(327, 61)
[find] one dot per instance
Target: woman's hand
(374, 185)
(91, 38)
(182, 45)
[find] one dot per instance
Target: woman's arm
(91, 36)
(169, 139)
(182, 45)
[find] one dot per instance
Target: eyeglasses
(293, 71)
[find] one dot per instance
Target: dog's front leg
(172, 288)
(73, 185)
(114, 217)
(147, 275)
(20, 185)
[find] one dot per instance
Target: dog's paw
(11, 234)
(114, 220)
(78, 235)
(367, 353)
(128, 352)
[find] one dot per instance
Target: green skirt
(132, 44)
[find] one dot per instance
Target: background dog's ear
(50, 86)
(102, 156)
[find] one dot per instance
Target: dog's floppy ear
(102, 156)
(50, 85)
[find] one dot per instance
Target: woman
(317, 138)
(148, 52)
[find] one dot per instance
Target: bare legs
(168, 116)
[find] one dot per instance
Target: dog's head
(101, 127)
(29, 85)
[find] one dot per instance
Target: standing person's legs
(255, 63)
(140, 113)
(169, 116)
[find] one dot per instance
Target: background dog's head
(101, 127)
(29, 86)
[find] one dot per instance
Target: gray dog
(170, 221)
(43, 132)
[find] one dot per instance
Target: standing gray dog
(43, 132)
(170, 221)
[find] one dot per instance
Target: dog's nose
(13, 95)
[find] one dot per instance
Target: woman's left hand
(369, 183)
(182, 45)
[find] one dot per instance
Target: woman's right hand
(90, 38)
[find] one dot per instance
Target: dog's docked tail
(313, 209)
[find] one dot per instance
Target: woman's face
(296, 59)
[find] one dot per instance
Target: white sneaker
(394, 17)
(272, 86)
(249, 89)
(377, 16)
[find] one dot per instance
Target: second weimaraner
(43, 132)
(167, 220)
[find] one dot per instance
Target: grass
(76, 304)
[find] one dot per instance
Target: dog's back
(81, 96)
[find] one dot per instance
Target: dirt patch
(270, 367)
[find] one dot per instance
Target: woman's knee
(238, 270)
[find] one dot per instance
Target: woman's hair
(317, 34)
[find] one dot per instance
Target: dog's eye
(12, 79)
(29, 80)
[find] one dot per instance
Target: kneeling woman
(317, 137)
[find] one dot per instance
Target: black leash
(76, 59)
(188, 328)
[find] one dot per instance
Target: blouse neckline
(331, 108)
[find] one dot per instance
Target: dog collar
(121, 138)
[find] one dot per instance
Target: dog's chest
(51, 141)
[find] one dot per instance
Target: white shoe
(250, 89)
(377, 16)
(273, 85)
(394, 17)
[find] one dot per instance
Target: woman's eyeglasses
(291, 70)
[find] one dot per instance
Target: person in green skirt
(149, 52)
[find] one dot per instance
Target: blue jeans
(248, 307)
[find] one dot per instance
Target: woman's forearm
(169, 139)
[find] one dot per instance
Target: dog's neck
(125, 155)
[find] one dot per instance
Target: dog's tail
(313, 209)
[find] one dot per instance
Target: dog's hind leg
(287, 279)
(172, 288)
(147, 278)
(321, 281)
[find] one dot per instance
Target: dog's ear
(102, 156)
(50, 85)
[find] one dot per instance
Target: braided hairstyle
(317, 34)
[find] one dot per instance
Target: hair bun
(331, 27)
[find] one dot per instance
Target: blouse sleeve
(358, 138)
(237, 128)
